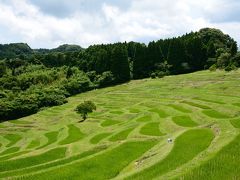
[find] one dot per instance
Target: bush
(50, 97)
(223, 60)
(92, 75)
(19, 107)
(153, 75)
(213, 67)
(236, 60)
(106, 79)
(161, 74)
(230, 67)
(85, 108)
(77, 85)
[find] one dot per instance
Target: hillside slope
(126, 138)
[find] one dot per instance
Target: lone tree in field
(85, 108)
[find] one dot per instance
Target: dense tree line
(34, 79)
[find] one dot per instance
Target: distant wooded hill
(31, 79)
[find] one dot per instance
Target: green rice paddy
(128, 136)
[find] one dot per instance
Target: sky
(50, 23)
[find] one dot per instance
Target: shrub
(153, 75)
(213, 67)
(230, 67)
(106, 79)
(85, 108)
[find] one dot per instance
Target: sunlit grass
(235, 122)
(179, 108)
(148, 109)
(184, 121)
(186, 147)
(33, 144)
(96, 139)
(19, 172)
(160, 112)
(10, 150)
(151, 129)
(215, 114)
(225, 165)
(52, 137)
(121, 135)
(196, 105)
(48, 156)
(103, 166)
(13, 138)
(74, 134)
(144, 118)
(109, 123)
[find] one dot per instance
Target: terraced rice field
(127, 137)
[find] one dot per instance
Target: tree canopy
(85, 108)
(32, 79)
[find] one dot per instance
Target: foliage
(106, 79)
(85, 108)
(40, 78)
(36, 87)
(14, 50)
(213, 67)
(3, 69)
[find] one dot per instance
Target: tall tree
(120, 65)
(196, 52)
(140, 62)
(177, 57)
(3, 69)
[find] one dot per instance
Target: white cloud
(40, 30)
(143, 20)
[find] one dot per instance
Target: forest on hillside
(33, 79)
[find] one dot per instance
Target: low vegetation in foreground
(127, 136)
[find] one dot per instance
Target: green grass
(236, 104)
(33, 144)
(225, 165)
(161, 113)
(235, 122)
(97, 138)
(109, 123)
(19, 122)
(10, 150)
(2, 126)
(151, 129)
(215, 114)
(103, 166)
(13, 138)
(20, 172)
(186, 147)
(134, 110)
(184, 121)
(116, 112)
(14, 155)
(52, 138)
(20, 163)
(209, 100)
(179, 108)
(74, 135)
(121, 135)
(196, 105)
(144, 119)
(139, 111)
